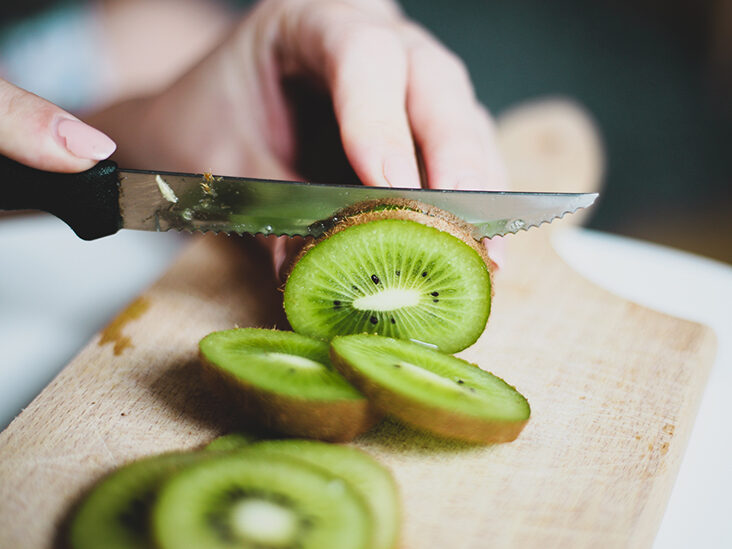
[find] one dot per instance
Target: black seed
(397, 365)
(336, 303)
(424, 273)
(435, 294)
(373, 320)
(393, 321)
(398, 273)
(460, 381)
(375, 279)
(435, 301)
(354, 287)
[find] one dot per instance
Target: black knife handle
(87, 201)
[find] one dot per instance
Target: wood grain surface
(613, 387)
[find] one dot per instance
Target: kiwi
(259, 501)
(397, 272)
(431, 390)
(115, 514)
(369, 478)
(285, 382)
(232, 441)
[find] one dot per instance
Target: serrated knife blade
(197, 202)
(102, 200)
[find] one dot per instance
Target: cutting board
(613, 387)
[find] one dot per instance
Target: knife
(105, 198)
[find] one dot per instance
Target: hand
(394, 89)
(39, 134)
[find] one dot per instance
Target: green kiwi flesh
(392, 276)
(369, 478)
(115, 514)
(431, 390)
(285, 382)
(260, 501)
(231, 441)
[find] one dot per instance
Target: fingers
(37, 133)
(392, 85)
(369, 85)
(452, 130)
(363, 62)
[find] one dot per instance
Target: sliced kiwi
(431, 390)
(259, 501)
(231, 441)
(369, 478)
(285, 381)
(115, 514)
(396, 272)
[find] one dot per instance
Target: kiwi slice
(115, 514)
(368, 477)
(431, 390)
(285, 381)
(232, 441)
(259, 501)
(396, 272)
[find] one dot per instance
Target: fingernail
(83, 141)
(401, 171)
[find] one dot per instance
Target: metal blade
(159, 201)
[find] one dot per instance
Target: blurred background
(656, 76)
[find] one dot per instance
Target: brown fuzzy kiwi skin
(410, 210)
(332, 421)
(439, 421)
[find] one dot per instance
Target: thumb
(37, 133)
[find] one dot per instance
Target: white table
(57, 291)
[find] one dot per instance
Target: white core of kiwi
(295, 361)
(265, 522)
(390, 299)
(426, 376)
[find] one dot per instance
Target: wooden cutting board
(613, 387)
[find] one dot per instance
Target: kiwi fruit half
(115, 514)
(431, 390)
(369, 478)
(259, 501)
(285, 381)
(396, 272)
